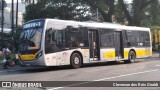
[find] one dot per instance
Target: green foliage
(1, 59)
(82, 10)
(151, 15)
(105, 8)
(13, 41)
(13, 58)
(62, 9)
(137, 16)
(119, 15)
(16, 38)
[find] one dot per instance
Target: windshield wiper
(33, 33)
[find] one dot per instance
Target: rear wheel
(75, 61)
(131, 57)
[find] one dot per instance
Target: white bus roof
(90, 24)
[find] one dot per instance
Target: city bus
(53, 42)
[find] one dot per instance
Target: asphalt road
(147, 69)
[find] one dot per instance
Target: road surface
(147, 69)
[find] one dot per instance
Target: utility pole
(12, 25)
(2, 21)
(97, 11)
(158, 38)
(97, 15)
(17, 15)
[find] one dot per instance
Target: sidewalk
(155, 54)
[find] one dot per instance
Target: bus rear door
(118, 40)
(94, 44)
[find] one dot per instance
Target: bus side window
(76, 37)
(50, 44)
(74, 42)
(47, 39)
(48, 35)
(53, 36)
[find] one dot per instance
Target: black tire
(76, 61)
(131, 57)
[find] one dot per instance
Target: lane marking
(157, 66)
(127, 75)
(55, 88)
(106, 79)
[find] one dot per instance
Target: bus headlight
(38, 55)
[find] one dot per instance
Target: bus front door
(118, 44)
(94, 44)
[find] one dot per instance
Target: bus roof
(90, 24)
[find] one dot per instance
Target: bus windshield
(30, 40)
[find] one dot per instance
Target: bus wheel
(75, 61)
(131, 57)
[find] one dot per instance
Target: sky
(128, 1)
(9, 1)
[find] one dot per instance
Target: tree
(105, 8)
(154, 13)
(83, 10)
(80, 10)
(138, 6)
(62, 9)
(28, 1)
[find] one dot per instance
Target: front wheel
(131, 57)
(75, 61)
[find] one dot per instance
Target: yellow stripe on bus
(139, 53)
(126, 54)
(108, 55)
